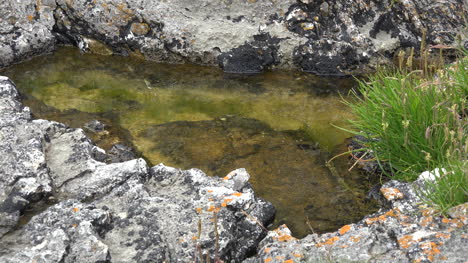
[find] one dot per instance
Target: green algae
(193, 116)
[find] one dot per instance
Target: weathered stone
(404, 232)
(323, 37)
(25, 30)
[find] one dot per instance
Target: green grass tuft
(417, 122)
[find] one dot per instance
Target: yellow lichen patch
(356, 239)
(391, 193)
(344, 229)
(268, 260)
(30, 18)
(328, 242)
(198, 209)
(430, 248)
(76, 209)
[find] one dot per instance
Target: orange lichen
(285, 238)
(297, 255)
(288, 261)
(391, 193)
(371, 220)
(217, 209)
(226, 178)
(211, 208)
(76, 209)
(356, 239)
(425, 221)
(328, 242)
(279, 257)
(194, 238)
(30, 18)
(430, 248)
(344, 229)
(454, 222)
(74, 225)
(406, 241)
(381, 218)
(267, 250)
(198, 209)
(268, 260)
(236, 194)
(224, 204)
(210, 191)
(227, 200)
(344, 246)
(442, 235)
(181, 240)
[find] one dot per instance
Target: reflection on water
(277, 125)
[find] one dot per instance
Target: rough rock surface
(118, 212)
(26, 29)
(246, 36)
(404, 231)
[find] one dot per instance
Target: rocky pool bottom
(129, 212)
(277, 125)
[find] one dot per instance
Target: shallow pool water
(277, 125)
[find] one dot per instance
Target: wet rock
(404, 232)
(95, 126)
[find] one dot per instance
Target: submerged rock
(323, 37)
